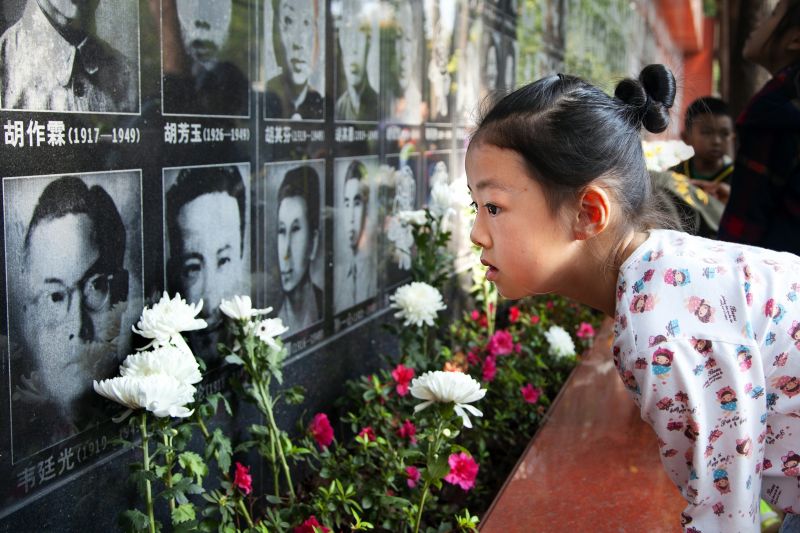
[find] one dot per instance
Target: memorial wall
(214, 148)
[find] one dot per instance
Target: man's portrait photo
(355, 245)
(468, 78)
(295, 59)
(74, 261)
(405, 83)
(207, 241)
(358, 59)
(440, 18)
(205, 57)
(295, 243)
(397, 193)
(70, 56)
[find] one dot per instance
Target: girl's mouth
(491, 274)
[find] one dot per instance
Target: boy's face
(711, 136)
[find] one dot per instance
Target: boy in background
(708, 129)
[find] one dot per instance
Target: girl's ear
(594, 212)
(792, 39)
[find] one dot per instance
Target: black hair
(790, 19)
(69, 195)
(570, 133)
(706, 105)
(195, 182)
(303, 181)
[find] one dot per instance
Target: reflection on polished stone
(593, 466)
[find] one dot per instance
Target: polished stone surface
(593, 466)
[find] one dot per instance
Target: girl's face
(662, 360)
(529, 250)
(771, 54)
(703, 310)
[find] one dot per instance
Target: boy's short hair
(707, 105)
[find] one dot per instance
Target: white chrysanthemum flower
(441, 198)
(167, 360)
(269, 329)
(160, 394)
(167, 318)
(241, 308)
(417, 303)
(402, 237)
(445, 387)
(560, 342)
(416, 218)
(662, 155)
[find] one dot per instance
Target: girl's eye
(492, 209)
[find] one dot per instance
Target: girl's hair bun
(649, 98)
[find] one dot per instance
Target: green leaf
(133, 520)
(221, 444)
(437, 469)
(194, 465)
(234, 360)
(183, 513)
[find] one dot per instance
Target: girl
(558, 178)
(765, 185)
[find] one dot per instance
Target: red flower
(463, 470)
(367, 432)
(242, 479)
(473, 359)
(585, 331)
(309, 526)
(550, 304)
(475, 315)
(489, 368)
(530, 393)
(408, 431)
(402, 375)
(501, 343)
(535, 319)
(412, 476)
(321, 430)
(513, 314)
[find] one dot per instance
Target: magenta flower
(242, 479)
(489, 368)
(513, 314)
(402, 375)
(585, 331)
(367, 432)
(463, 470)
(311, 526)
(501, 343)
(321, 430)
(530, 393)
(412, 476)
(408, 431)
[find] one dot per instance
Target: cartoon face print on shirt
(677, 277)
(701, 309)
(621, 288)
(642, 303)
(662, 362)
(653, 255)
(789, 385)
(727, 398)
(744, 358)
(774, 310)
(721, 481)
(791, 464)
(639, 285)
(692, 430)
(744, 446)
(794, 333)
(703, 346)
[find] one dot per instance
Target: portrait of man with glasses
(69, 290)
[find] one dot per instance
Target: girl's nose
(478, 234)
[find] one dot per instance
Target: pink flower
(475, 315)
(585, 331)
(309, 526)
(535, 319)
(530, 393)
(242, 479)
(408, 431)
(518, 348)
(473, 359)
(501, 343)
(412, 476)
(321, 430)
(513, 314)
(463, 470)
(489, 368)
(367, 432)
(402, 375)
(550, 304)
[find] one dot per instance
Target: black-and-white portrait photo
(295, 243)
(295, 59)
(405, 83)
(358, 59)
(74, 266)
(492, 62)
(440, 18)
(70, 56)
(205, 57)
(398, 194)
(355, 245)
(509, 63)
(207, 240)
(468, 90)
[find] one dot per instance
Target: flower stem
(148, 488)
(276, 432)
(244, 512)
(169, 457)
(275, 474)
(421, 505)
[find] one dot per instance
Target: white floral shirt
(707, 341)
